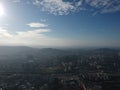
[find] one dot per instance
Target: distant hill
(44, 54)
(12, 55)
(106, 49)
(23, 53)
(11, 50)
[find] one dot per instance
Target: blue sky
(60, 23)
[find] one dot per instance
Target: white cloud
(22, 37)
(111, 9)
(105, 6)
(4, 33)
(39, 38)
(62, 7)
(34, 38)
(35, 33)
(55, 6)
(98, 3)
(37, 25)
(79, 3)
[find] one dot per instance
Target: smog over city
(59, 44)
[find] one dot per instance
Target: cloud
(64, 7)
(111, 9)
(33, 38)
(38, 37)
(34, 33)
(105, 6)
(37, 25)
(37, 33)
(30, 37)
(54, 6)
(4, 33)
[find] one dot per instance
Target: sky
(60, 23)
